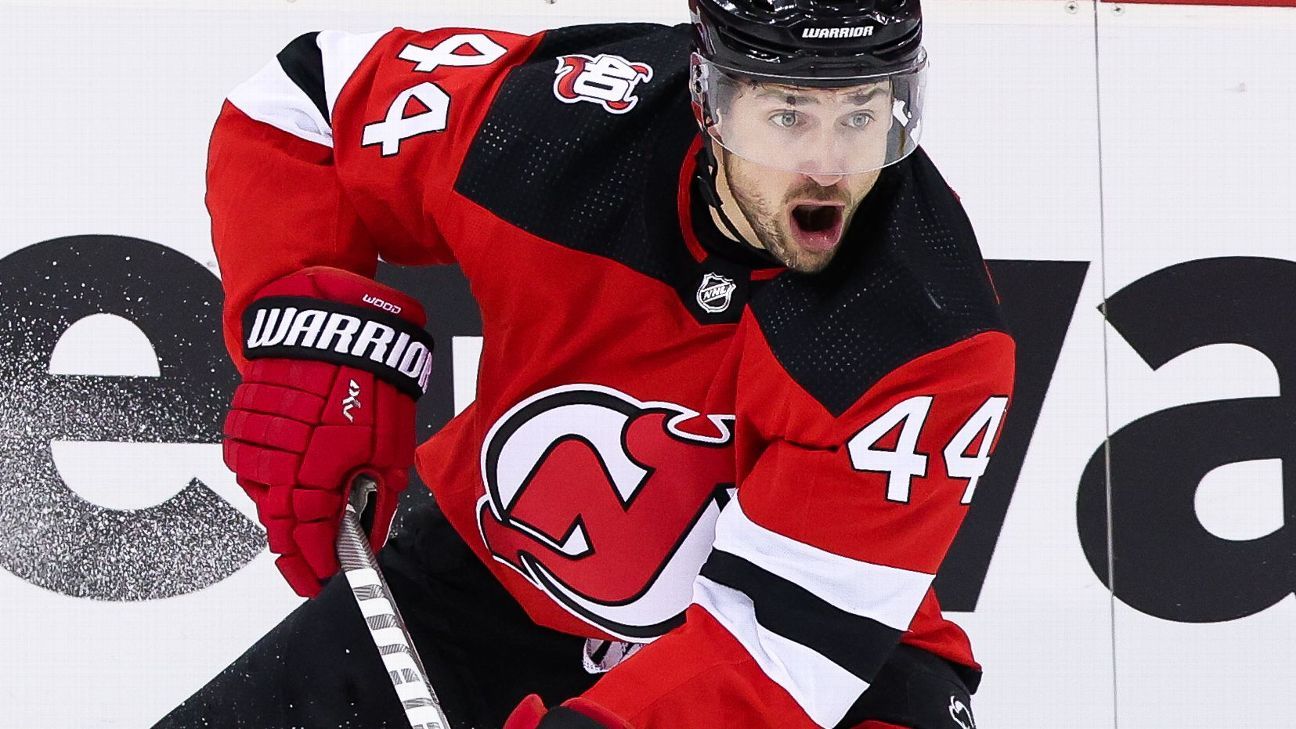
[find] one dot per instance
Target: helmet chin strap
(708, 173)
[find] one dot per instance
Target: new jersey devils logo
(606, 80)
(606, 503)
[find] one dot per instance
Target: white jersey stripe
(342, 54)
(272, 98)
(822, 688)
(888, 595)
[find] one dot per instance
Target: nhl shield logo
(716, 293)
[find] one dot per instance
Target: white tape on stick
(386, 627)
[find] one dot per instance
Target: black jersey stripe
(858, 644)
(303, 62)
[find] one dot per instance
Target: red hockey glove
(335, 363)
(576, 713)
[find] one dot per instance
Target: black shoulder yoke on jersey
(581, 177)
(908, 280)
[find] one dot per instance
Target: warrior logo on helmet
(605, 79)
(606, 503)
(862, 32)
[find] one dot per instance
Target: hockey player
(737, 386)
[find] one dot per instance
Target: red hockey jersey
(674, 439)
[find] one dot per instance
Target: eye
(858, 120)
(785, 119)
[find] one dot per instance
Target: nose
(821, 159)
(826, 180)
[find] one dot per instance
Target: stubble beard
(767, 220)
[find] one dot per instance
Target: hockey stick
(386, 627)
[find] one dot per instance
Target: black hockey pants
(318, 669)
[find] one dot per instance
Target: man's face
(800, 217)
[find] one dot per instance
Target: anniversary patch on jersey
(605, 79)
(606, 503)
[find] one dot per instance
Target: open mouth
(818, 226)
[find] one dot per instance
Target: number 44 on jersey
(903, 462)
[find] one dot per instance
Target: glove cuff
(300, 327)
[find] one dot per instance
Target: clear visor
(798, 125)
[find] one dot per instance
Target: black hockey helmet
(828, 41)
(812, 86)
